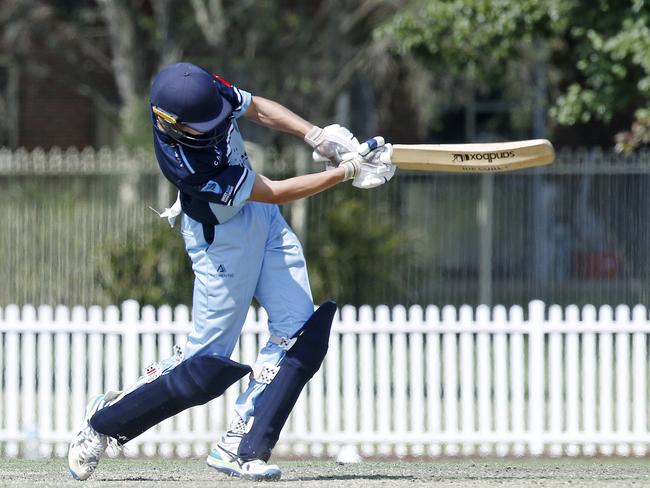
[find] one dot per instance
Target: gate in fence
(421, 382)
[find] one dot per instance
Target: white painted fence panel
(397, 382)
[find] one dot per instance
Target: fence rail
(419, 381)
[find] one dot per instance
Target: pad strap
(264, 373)
(284, 342)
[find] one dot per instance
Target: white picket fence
(420, 382)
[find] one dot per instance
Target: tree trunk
(120, 20)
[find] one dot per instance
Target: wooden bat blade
(467, 158)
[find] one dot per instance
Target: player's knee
(311, 345)
(201, 377)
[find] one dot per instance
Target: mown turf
(193, 473)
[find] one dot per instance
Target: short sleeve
(246, 98)
(239, 99)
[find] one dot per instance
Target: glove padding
(375, 168)
(331, 144)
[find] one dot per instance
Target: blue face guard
(169, 123)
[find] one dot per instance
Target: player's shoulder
(229, 91)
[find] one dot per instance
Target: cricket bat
(473, 158)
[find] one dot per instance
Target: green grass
(193, 473)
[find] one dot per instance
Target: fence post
(79, 368)
(332, 374)
(556, 380)
(130, 356)
(383, 361)
(517, 379)
(450, 368)
(165, 348)
(350, 369)
(28, 376)
(467, 377)
(45, 366)
(366, 380)
(572, 366)
(416, 378)
(62, 379)
(640, 378)
(148, 356)
(501, 379)
(606, 379)
(400, 381)
(623, 379)
(12, 374)
(536, 327)
(433, 367)
(2, 366)
(184, 449)
(589, 368)
(484, 377)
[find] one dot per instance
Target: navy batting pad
(194, 381)
(278, 399)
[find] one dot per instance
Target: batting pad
(194, 381)
(277, 400)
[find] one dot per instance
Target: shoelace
(92, 445)
(114, 445)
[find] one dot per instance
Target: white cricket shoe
(88, 445)
(226, 461)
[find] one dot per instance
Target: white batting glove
(331, 143)
(376, 167)
(351, 163)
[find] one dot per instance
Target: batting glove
(331, 143)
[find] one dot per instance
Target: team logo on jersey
(227, 194)
(222, 273)
(212, 186)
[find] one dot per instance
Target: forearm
(275, 116)
(284, 191)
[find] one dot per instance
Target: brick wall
(52, 113)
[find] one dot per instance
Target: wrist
(350, 169)
(314, 136)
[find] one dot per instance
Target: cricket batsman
(240, 247)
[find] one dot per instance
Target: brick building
(48, 105)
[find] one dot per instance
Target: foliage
(350, 257)
(472, 40)
(599, 52)
(612, 55)
(153, 270)
(638, 135)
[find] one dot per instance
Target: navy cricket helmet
(186, 94)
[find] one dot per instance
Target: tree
(612, 56)
(598, 52)
(303, 54)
